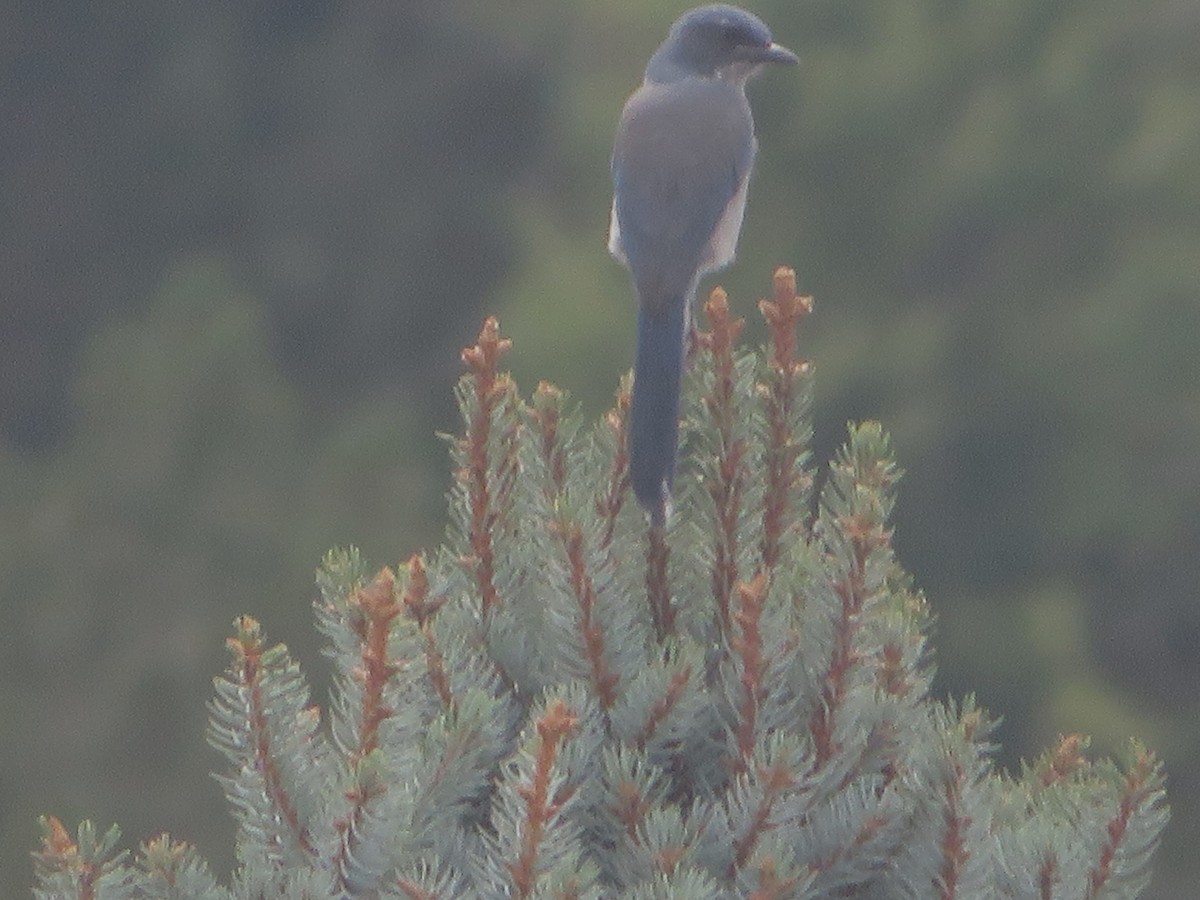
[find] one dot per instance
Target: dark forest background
(241, 244)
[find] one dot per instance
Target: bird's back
(683, 152)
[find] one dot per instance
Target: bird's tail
(654, 417)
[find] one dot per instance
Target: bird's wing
(683, 152)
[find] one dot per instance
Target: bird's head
(717, 41)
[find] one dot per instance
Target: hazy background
(240, 245)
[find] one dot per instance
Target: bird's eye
(730, 35)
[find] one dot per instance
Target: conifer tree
(564, 701)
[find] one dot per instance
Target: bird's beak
(777, 53)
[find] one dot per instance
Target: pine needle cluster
(564, 701)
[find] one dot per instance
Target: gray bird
(681, 162)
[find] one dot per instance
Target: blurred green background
(240, 245)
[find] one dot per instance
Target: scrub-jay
(680, 165)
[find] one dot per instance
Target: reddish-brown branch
(894, 677)
(871, 826)
(1065, 761)
(658, 585)
(770, 885)
(421, 609)
(60, 853)
(661, 708)
(775, 781)
(348, 827)
(547, 413)
(1048, 876)
(783, 313)
(482, 495)
(378, 607)
(865, 535)
(1134, 793)
(727, 488)
(414, 891)
(669, 857)
(164, 858)
(608, 505)
(824, 716)
(630, 807)
(247, 648)
(954, 835)
(604, 680)
(747, 645)
(558, 724)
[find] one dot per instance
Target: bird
(681, 162)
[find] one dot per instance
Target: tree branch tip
(481, 358)
(56, 840)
